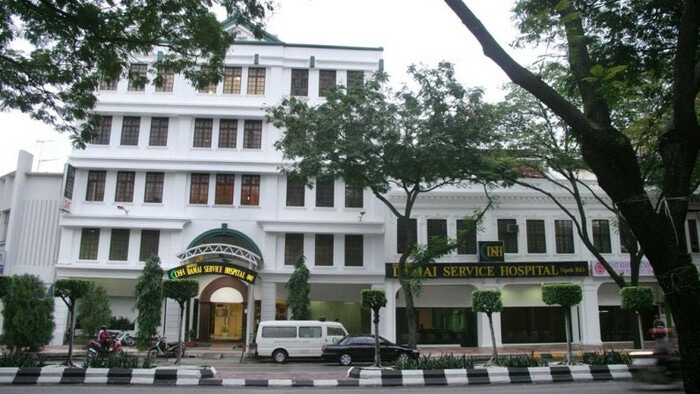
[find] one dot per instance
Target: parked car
(360, 348)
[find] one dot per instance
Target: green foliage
(27, 314)
(606, 357)
(120, 323)
(180, 290)
(70, 290)
(519, 361)
(373, 299)
(637, 298)
(21, 360)
(149, 301)
(5, 283)
(74, 45)
(117, 360)
(298, 291)
(444, 361)
(487, 301)
(94, 310)
(564, 294)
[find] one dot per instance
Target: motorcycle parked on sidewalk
(111, 346)
(163, 348)
(126, 339)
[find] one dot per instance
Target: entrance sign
(214, 268)
(491, 251)
(495, 270)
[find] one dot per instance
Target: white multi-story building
(194, 178)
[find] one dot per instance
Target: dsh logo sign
(491, 251)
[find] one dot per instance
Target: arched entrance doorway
(221, 311)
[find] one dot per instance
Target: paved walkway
(222, 365)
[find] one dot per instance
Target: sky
(410, 31)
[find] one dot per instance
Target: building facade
(193, 177)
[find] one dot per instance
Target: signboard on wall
(496, 270)
(68, 182)
(491, 251)
(622, 268)
(213, 268)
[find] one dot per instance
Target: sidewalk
(220, 364)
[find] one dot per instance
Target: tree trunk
(640, 330)
(71, 334)
(377, 351)
(179, 334)
(411, 317)
(494, 348)
(567, 327)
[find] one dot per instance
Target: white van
(282, 339)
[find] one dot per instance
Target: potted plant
(190, 336)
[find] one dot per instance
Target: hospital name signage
(495, 270)
(212, 268)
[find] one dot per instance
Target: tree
(70, 291)
(298, 291)
(181, 291)
(73, 46)
(488, 302)
(414, 141)
(149, 301)
(27, 314)
(610, 45)
(94, 310)
(566, 295)
(637, 299)
(375, 300)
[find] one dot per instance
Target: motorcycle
(163, 348)
(126, 339)
(112, 346)
(658, 368)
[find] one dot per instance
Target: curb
(491, 375)
(115, 376)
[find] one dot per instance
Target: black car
(361, 348)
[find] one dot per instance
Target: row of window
(323, 249)
(119, 244)
(233, 81)
(508, 230)
(203, 132)
(325, 194)
(154, 185)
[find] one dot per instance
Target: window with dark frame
(252, 134)
(693, 235)
(108, 84)
(300, 82)
(325, 192)
(466, 235)
(159, 132)
(202, 133)
(130, 131)
(150, 242)
(564, 236)
(326, 81)
(256, 81)
(293, 247)
(104, 131)
(210, 88)
(232, 80)
(165, 81)
(324, 250)
(224, 189)
(89, 243)
(401, 238)
(625, 235)
(153, 192)
(137, 78)
(601, 235)
(96, 186)
(228, 133)
(508, 233)
(119, 245)
(125, 186)
(354, 250)
(536, 238)
(437, 228)
(250, 190)
(353, 197)
(199, 188)
(355, 78)
(296, 191)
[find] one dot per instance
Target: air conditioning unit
(511, 228)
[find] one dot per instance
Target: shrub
(119, 360)
(603, 357)
(21, 360)
(519, 361)
(120, 323)
(445, 361)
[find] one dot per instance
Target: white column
(589, 315)
(387, 315)
(267, 300)
(250, 318)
